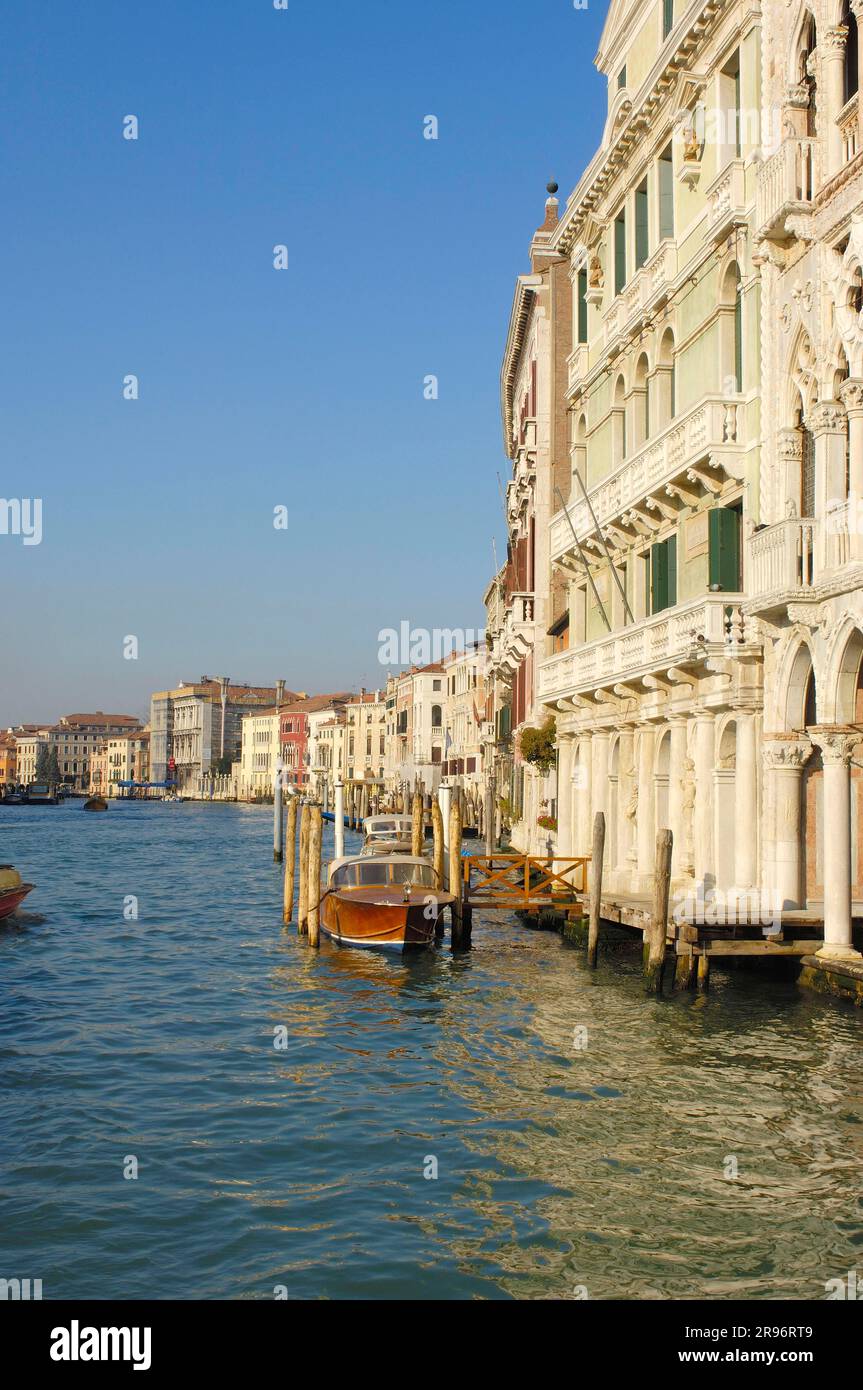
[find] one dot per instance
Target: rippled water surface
(557, 1168)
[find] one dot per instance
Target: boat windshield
(371, 873)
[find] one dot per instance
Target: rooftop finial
(552, 187)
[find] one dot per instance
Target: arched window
(849, 19)
(437, 720)
(666, 381)
(731, 331)
(619, 421)
(807, 48)
(807, 467)
(641, 402)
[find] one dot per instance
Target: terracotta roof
(317, 702)
(100, 719)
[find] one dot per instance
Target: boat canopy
(383, 870)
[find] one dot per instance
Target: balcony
(646, 292)
(576, 366)
(782, 563)
(666, 473)
(792, 559)
(848, 122)
(786, 187)
(682, 636)
(726, 201)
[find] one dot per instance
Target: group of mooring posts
(303, 859)
(690, 970)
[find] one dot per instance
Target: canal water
(566, 1161)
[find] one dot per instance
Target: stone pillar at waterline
(583, 806)
(745, 802)
(566, 752)
(645, 810)
(837, 745)
(627, 804)
(784, 760)
(702, 818)
(676, 789)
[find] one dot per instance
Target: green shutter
(658, 577)
(582, 306)
(724, 535)
(667, 17)
(619, 252)
(666, 194)
(641, 232)
(663, 575)
(671, 546)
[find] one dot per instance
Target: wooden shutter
(724, 523)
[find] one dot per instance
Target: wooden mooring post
(595, 886)
(303, 904)
(314, 887)
(417, 827)
(655, 933)
(456, 914)
(278, 817)
(290, 860)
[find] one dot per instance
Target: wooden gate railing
(510, 881)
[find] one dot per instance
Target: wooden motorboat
(387, 835)
(96, 803)
(12, 890)
(382, 900)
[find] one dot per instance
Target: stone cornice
(666, 72)
(522, 306)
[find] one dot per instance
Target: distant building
(298, 718)
(196, 726)
(365, 732)
(76, 738)
(8, 757)
(259, 753)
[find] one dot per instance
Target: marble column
(831, 50)
(582, 789)
(626, 782)
(599, 783)
(836, 745)
(645, 816)
(566, 751)
(745, 802)
(676, 775)
(852, 399)
(784, 760)
(702, 818)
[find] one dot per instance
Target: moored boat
(12, 890)
(382, 900)
(387, 835)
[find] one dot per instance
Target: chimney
(539, 247)
(280, 693)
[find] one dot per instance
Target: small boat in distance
(96, 803)
(382, 900)
(387, 835)
(12, 890)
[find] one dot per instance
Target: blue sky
(260, 388)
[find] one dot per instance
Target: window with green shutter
(641, 224)
(620, 251)
(667, 17)
(663, 575)
(582, 306)
(724, 534)
(666, 193)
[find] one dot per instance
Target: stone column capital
(827, 417)
(789, 445)
(836, 742)
(851, 390)
(790, 754)
(831, 42)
